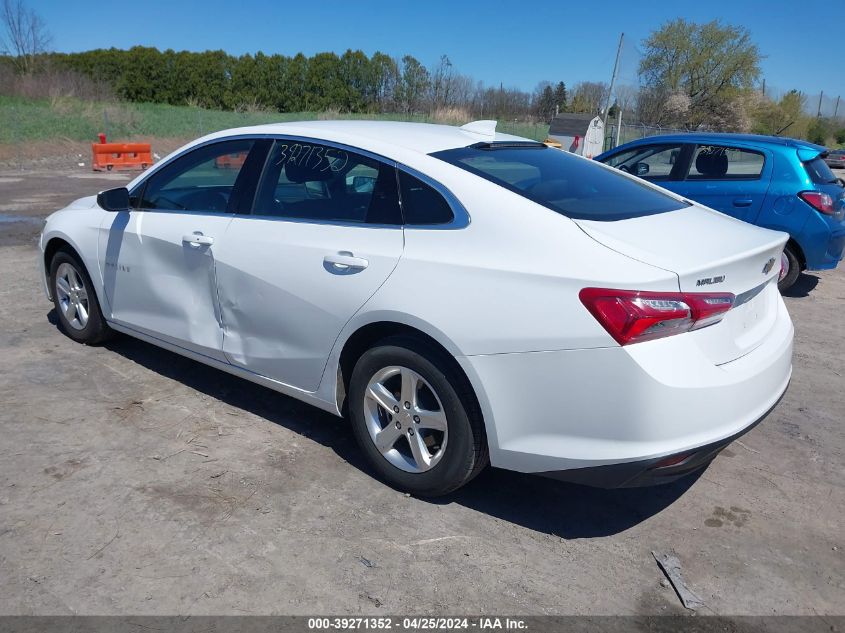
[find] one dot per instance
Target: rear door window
(720, 162)
(309, 181)
(567, 184)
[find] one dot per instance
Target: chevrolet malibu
(463, 296)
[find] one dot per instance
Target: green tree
(357, 78)
(413, 85)
(785, 117)
(544, 102)
(295, 95)
(385, 80)
(709, 64)
(560, 96)
(325, 87)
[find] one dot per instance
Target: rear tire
(75, 300)
(408, 394)
(792, 272)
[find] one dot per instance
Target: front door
(661, 163)
(325, 233)
(158, 258)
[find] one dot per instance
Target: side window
(716, 162)
(322, 183)
(421, 203)
(201, 180)
(653, 162)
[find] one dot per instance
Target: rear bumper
(655, 471)
(823, 242)
(629, 408)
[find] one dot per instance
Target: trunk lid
(709, 252)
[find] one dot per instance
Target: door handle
(197, 239)
(344, 260)
(743, 202)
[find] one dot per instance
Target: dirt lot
(133, 481)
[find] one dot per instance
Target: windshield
(572, 186)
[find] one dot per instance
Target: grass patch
(26, 120)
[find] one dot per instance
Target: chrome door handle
(197, 239)
(345, 260)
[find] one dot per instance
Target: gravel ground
(133, 481)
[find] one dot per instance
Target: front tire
(415, 418)
(75, 300)
(793, 268)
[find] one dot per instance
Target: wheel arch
(53, 245)
(793, 244)
(59, 241)
(366, 335)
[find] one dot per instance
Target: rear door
(731, 179)
(324, 234)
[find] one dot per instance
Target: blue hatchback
(774, 182)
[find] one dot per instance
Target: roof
(379, 136)
(570, 124)
(403, 142)
(722, 137)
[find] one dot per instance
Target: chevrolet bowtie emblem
(768, 266)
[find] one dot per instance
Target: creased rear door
(283, 304)
(325, 234)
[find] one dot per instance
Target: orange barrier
(108, 156)
(230, 161)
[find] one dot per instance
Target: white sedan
(465, 297)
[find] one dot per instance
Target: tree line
(349, 82)
(691, 76)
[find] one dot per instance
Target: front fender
(79, 229)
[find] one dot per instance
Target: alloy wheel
(72, 296)
(405, 419)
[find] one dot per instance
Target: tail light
(632, 316)
(821, 202)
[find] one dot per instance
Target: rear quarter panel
(782, 209)
(785, 211)
(509, 281)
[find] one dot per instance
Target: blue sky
(517, 43)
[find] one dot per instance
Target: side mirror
(114, 199)
(641, 169)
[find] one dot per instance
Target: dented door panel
(161, 284)
(286, 293)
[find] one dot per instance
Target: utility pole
(613, 78)
(836, 109)
(764, 86)
(819, 111)
(618, 126)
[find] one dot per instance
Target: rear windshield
(572, 186)
(819, 171)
